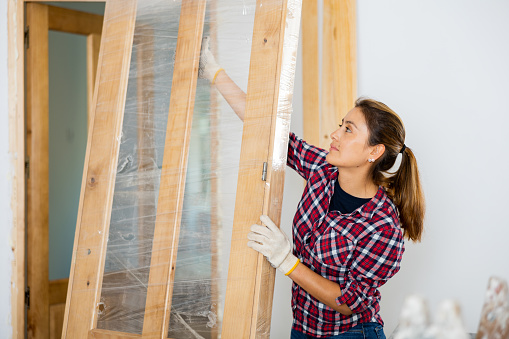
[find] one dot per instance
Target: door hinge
(27, 167)
(264, 172)
(27, 297)
(27, 37)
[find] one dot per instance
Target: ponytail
(403, 186)
(407, 195)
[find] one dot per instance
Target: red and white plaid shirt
(360, 251)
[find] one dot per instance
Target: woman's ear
(377, 151)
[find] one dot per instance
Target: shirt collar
(368, 209)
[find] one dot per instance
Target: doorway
(62, 48)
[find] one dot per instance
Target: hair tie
(403, 149)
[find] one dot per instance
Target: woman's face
(349, 147)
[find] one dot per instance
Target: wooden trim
(344, 56)
(105, 334)
(16, 97)
(73, 21)
(58, 291)
(328, 113)
(171, 189)
(100, 169)
(310, 72)
(339, 78)
(37, 136)
(248, 305)
(93, 46)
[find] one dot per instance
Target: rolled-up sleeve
(303, 157)
(377, 258)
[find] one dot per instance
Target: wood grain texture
(100, 170)
(75, 22)
(250, 279)
(56, 320)
(274, 188)
(37, 138)
(105, 334)
(57, 296)
(328, 114)
(58, 291)
(173, 174)
(344, 56)
(93, 46)
(339, 67)
(310, 72)
(16, 102)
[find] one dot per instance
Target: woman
(350, 224)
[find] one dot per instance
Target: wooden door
(110, 297)
(46, 299)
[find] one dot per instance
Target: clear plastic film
(199, 283)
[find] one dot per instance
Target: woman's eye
(348, 129)
(340, 126)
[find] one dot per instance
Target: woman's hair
(404, 186)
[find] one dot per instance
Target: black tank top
(344, 202)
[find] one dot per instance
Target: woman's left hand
(273, 244)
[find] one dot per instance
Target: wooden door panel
(108, 238)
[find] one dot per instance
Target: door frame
(16, 103)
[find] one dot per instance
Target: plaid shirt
(360, 251)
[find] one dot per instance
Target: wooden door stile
(248, 305)
(173, 174)
(16, 102)
(278, 151)
(93, 46)
(37, 148)
(100, 170)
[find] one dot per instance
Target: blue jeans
(361, 331)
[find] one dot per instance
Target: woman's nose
(335, 135)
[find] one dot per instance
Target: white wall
(442, 65)
(5, 185)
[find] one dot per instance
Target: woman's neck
(360, 186)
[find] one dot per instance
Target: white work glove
(273, 244)
(208, 65)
